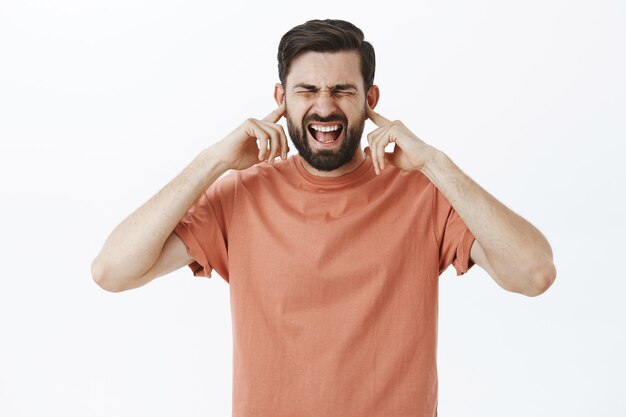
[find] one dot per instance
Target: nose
(324, 104)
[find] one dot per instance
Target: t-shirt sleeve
(204, 229)
(454, 238)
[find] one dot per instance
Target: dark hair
(328, 35)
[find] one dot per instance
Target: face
(325, 107)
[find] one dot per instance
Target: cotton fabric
(333, 286)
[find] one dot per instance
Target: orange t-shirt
(333, 286)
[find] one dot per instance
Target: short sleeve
(454, 238)
(204, 229)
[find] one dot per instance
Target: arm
(516, 255)
(134, 246)
(143, 246)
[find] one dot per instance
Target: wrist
(435, 160)
(210, 161)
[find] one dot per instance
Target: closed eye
(336, 93)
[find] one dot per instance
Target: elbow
(543, 280)
(100, 277)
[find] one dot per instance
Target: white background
(104, 102)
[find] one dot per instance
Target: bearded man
(332, 254)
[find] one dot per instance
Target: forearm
(135, 244)
(517, 252)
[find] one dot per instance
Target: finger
(380, 151)
(274, 144)
(388, 158)
(264, 140)
(368, 152)
(375, 147)
(385, 139)
(374, 150)
(283, 146)
(374, 138)
(376, 118)
(283, 141)
(371, 139)
(268, 136)
(276, 114)
(253, 130)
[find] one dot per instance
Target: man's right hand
(143, 246)
(239, 150)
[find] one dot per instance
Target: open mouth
(325, 133)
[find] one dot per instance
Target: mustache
(330, 118)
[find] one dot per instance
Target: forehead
(325, 69)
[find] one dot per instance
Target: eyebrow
(310, 87)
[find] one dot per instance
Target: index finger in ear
(275, 115)
(376, 118)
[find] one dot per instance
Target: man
(333, 254)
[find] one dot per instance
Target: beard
(327, 159)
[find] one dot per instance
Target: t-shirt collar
(366, 167)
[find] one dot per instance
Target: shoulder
(264, 173)
(261, 175)
(410, 182)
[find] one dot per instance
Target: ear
(372, 96)
(279, 93)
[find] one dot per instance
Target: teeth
(325, 128)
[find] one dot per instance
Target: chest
(324, 245)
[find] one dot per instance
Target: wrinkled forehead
(325, 69)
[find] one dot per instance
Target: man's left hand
(410, 153)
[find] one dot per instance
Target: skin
(326, 85)
(143, 247)
(514, 253)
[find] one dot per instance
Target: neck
(357, 160)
